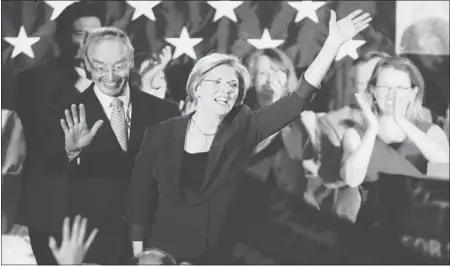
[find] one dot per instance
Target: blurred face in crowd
(110, 63)
(270, 81)
(391, 81)
(80, 28)
(362, 74)
(218, 90)
(158, 85)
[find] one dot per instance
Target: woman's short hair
(105, 33)
(403, 64)
(211, 61)
(277, 57)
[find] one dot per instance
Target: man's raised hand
(77, 135)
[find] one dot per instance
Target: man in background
(39, 92)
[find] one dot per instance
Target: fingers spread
(75, 227)
(360, 18)
(68, 118)
(66, 229)
(96, 127)
(52, 245)
(82, 231)
(90, 239)
(362, 27)
(82, 113)
(74, 114)
(64, 126)
(354, 14)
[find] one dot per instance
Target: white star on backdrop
(143, 8)
(184, 44)
(306, 9)
(58, 7)
(225, 8)
(349, 48)
(265, 41)
(22, 43)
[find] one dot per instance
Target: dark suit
(39, 94)
(171, 216)
(98, 185)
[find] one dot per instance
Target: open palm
(364, 103)
(77, 135)
(347, 28)
(73, 245)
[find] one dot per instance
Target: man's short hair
(106, 33)
(65, 20)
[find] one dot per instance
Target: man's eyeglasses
(231, 84)
(102, 69)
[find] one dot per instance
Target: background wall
(303, 39)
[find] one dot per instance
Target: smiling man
(103, 130)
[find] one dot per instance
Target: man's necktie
(118, 123)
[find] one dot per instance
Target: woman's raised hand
(345, 29)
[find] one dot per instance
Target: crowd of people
(97, 138)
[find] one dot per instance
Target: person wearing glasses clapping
(394, 139)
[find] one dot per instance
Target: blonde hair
(105, 33)
(279, 58)
(211, 61)
(415, 112)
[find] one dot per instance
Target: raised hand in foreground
(73, 247)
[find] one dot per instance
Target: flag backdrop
(302, 39)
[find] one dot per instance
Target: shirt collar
(106, 100)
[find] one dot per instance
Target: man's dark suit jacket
(100, 176)
(39, 96)
(172, 217)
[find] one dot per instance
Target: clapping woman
(394, 139)
(188, 168)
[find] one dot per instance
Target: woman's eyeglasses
(388, 89)
(231, 84)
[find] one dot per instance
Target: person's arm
(356, 151)
(13, 156)
(356, 156)
(143, 190)
(433, 144)
(266, 121)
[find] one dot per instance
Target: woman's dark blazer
(172, 217)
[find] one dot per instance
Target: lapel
(139, 114)
(221, 142)
(105, 138)
(215, 153)
(174, 158)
